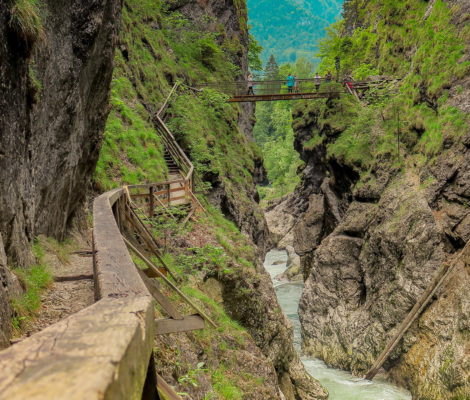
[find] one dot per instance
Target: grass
(224, 386)
(224, 322)
(35, 280)
(395, 41)
(26, 20)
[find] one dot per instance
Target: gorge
(113, 119)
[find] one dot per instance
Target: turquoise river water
(340, 384)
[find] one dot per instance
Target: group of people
(292, 82)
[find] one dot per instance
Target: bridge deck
(284, 96)
(254, 91)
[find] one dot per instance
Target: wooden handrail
(167, 100)
(101, 352)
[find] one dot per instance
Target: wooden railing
(169, 141)
(105, 350)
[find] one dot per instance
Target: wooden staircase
(173, 169)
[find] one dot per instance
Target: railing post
(169, 194)
(151, 202)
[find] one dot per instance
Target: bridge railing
(259, 88)
(278, 87)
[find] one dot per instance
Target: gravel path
(65, 298)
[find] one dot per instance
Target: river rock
(280, 222)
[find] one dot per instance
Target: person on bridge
(290, 83)
(250, 85)
(328, 77)
(296, 84)
(317, 81)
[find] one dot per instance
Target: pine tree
(271, 71)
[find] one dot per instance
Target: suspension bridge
(251, 91)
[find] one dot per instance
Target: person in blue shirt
(290, 83)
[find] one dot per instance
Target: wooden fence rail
(105, 351)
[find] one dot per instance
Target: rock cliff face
(371, 241)
(370, 244)
(53, 106)
(369, 272)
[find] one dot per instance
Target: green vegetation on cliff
(395, 39)
(158, 48)
(26, 20)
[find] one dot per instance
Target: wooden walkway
(105, 351)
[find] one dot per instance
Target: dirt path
(64, 298)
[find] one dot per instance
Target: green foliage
(223, 321)
(132, 152)
(254, 52)
(207, 127)
(224, 386)
(413, 116)
(35, 280)
(190, 378)
(275, 135)
(26, 20)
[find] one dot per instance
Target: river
(340, 384)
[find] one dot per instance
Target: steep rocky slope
(55, 78)
(377, 215)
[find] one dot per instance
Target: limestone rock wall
(369, 251)
(53, 106)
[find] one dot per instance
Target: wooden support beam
(169, 283)
(165, 391)
(165, 303)
(151, 202)
(149, 239)
(285, 96)
(187, 324)
(415, 312)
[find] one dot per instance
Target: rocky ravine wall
(368, 253)
(53, 106)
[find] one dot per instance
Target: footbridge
(276, 90)
(105, 351)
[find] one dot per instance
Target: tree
(254, 52)
(271, 70)
(304, 68)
